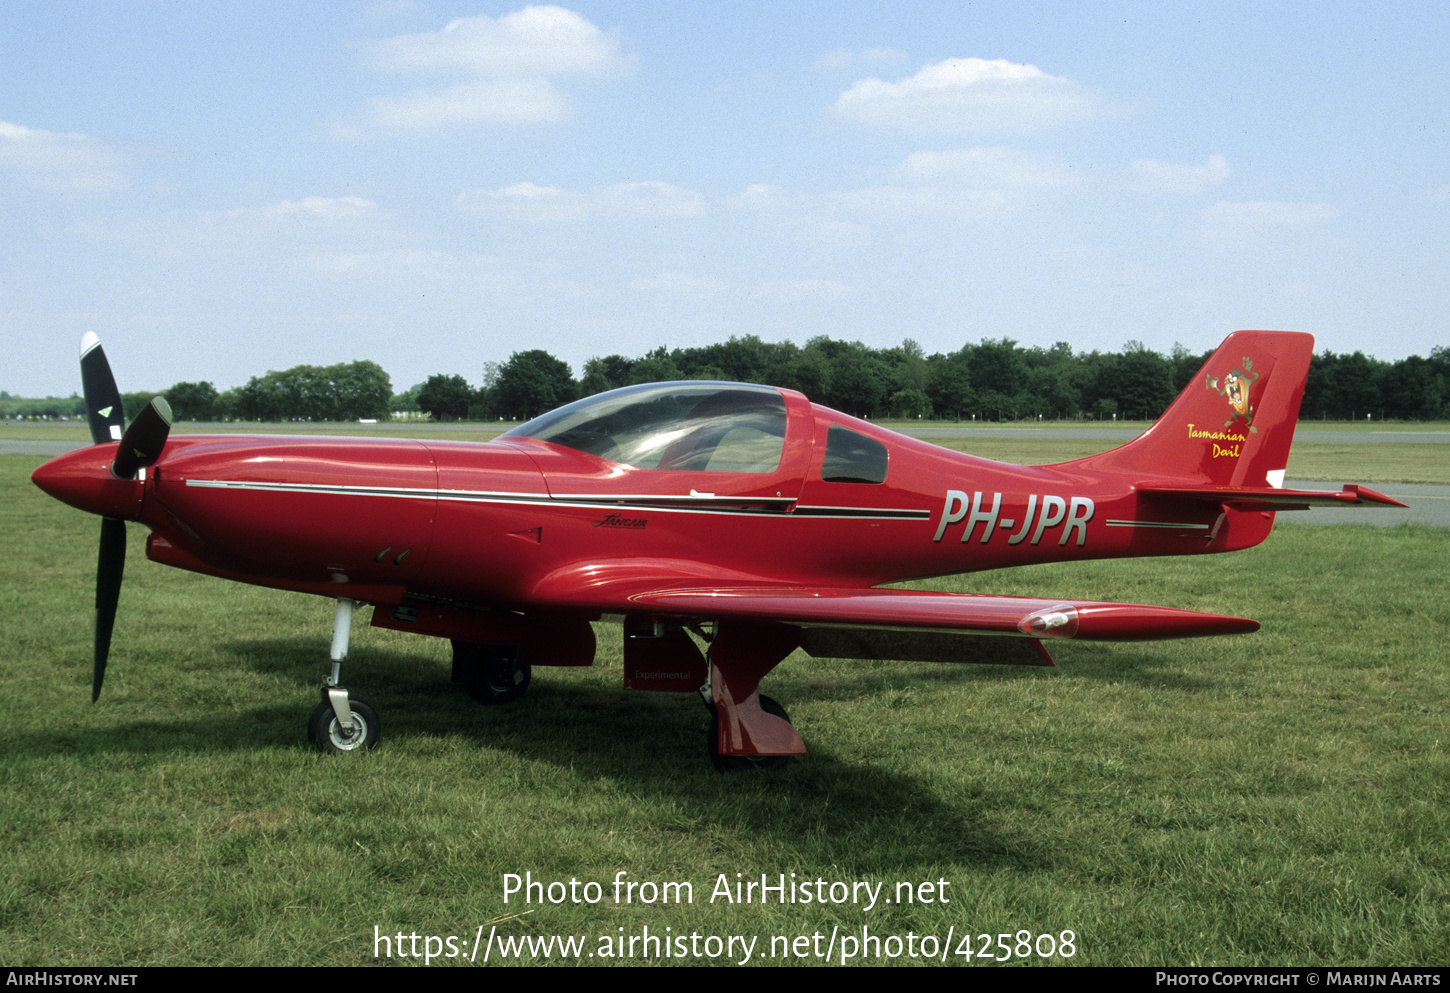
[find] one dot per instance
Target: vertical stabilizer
(1232, 425)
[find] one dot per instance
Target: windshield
(699, 427)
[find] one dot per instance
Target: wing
(891, 623)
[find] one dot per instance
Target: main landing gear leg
(747, 730)
(339, 723)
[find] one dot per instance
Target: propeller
(143, 441)
(110, 566)
(103, 400)
(140, 446)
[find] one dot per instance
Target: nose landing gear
(326, 730)
(341, 724)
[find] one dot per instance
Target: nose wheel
(340, 724)
(327, 732)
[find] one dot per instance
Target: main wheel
(324, 730)
(489, 673)
(744, 763)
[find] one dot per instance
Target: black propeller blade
(143, 441)
(141, 445)
(103, 400)
(110, 566)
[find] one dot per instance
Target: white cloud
(760, 196)
(972, 95)
(309, 208)
(529, 191)
(58, 162)
(504, 71)
(1173, 177)
(324, 207)
(535, 41)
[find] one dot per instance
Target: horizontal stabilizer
(1274, 498)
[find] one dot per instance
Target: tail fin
(1232, 425)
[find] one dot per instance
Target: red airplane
(746, 515)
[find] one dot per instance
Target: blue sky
(222, 189)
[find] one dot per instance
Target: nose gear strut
(339, 723)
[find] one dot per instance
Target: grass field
(1277, 798)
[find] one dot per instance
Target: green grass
(1278, 798)
(1342, 463)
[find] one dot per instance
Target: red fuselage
(375, 519)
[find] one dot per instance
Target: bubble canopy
(685, 426)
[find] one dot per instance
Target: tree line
(993, 380)
(349, 391)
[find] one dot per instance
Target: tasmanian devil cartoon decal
(1235, 389)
